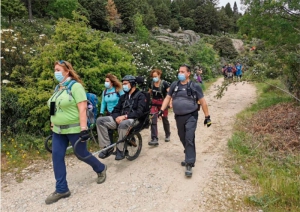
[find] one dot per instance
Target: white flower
(7, 50)
(14, 47)
(5, 81)
(1, 57)
(24, 52)
(2, 41)
(6, 73)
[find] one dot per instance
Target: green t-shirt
(66, 111)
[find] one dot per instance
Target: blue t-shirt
(110, 100)
(238, 69)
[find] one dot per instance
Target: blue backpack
(92, 101)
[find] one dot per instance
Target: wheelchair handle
(46, 142)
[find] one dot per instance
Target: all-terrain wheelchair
(132, 140)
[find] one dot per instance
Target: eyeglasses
(63, 62)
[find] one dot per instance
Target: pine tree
(112, 17)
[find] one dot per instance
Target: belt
(60, 127)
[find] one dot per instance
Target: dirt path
(155, 181)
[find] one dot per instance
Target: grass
(276, 173)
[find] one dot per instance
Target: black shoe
(119, 155)
(106, 153)
(188, 170)
(183, 163)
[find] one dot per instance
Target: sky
(224, 2)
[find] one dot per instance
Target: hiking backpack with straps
(161, 88)
(111, 93)
(92, 103)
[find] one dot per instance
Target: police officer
(186, 97)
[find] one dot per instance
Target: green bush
(225, 48)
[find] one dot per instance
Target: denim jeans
(60, 143)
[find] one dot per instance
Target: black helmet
(131, 79)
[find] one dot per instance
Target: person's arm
(166, 102)
(204, 106)
(82, 107)
(103, 104)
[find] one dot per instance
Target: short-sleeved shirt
(182, 102)
(156, 94)
(66, 112)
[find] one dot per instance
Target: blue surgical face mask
(126, 88)
(107, 84)
(181, 77)
(155, 79)
(59, 76)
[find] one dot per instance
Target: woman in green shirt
(69, 123)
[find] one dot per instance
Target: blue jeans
(60, 143)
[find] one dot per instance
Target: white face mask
(107, 85)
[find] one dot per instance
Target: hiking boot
(188, 170)
(183, 163)
(153, 142)
(54, 197)
(167, 139)
(106, 153)
(102, 176)
(119, 155)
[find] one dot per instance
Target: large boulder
(186, 37)
(238, 45)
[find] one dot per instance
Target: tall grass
(276, 173)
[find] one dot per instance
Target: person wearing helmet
(130, 106)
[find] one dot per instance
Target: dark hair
(187, 66)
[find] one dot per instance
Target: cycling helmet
(131, 79)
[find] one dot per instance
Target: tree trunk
(29, 10)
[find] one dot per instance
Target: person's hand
(101, 114)
(119, 119)
(207, 121)
(160, 113)
(84, 135)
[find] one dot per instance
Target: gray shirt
(185, 102)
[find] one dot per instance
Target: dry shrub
(280, 126)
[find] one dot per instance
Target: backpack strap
(160, 87)
(69, 87)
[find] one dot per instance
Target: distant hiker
(198, 72)
(68, 124)
(239, 71)
(158, 89)
(186, 96)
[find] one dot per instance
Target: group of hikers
(122, 104)
(230, 71)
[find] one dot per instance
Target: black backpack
(161, 88)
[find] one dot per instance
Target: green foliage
(225, 48)
(276, 23)
(139, 28)
(149, 18)
(12, 9)
(205, 56)
(62, 8)
(174, 25)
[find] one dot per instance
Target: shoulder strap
(69, 87)
(160, 88)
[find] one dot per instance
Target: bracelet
(84, 128)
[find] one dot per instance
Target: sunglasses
(63, 62)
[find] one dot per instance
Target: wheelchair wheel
(48, 143)
(133, 146)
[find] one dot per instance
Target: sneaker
(54, 197)
(153, 142)
(167, 139)
(119, 155)
(106, 153)
(188, 171)
(102, 176)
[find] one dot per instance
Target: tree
(228, 10)
(277, 23)
(62, 8)
(139, 28)
(174, 25)
(96, 13)
(163, 14)
(235, 9)
(12, 9)
(112, 17)
(127, 9)
(150, 18)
